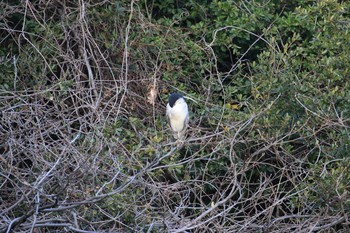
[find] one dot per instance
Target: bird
(177, 115)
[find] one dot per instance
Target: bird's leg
(179, 143)
(180, 139)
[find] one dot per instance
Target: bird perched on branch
(177, 115)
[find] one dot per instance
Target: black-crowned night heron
(177, 115)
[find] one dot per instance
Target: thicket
(84, 143)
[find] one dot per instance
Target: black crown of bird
(173, 98)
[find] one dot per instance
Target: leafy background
(84, 143)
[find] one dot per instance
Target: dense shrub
(85, 146)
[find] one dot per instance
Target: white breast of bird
(177, 115)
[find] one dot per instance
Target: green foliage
(7, 66)
(327, 187)
(231, 29)
(268, 87)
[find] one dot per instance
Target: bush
(86, 146)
